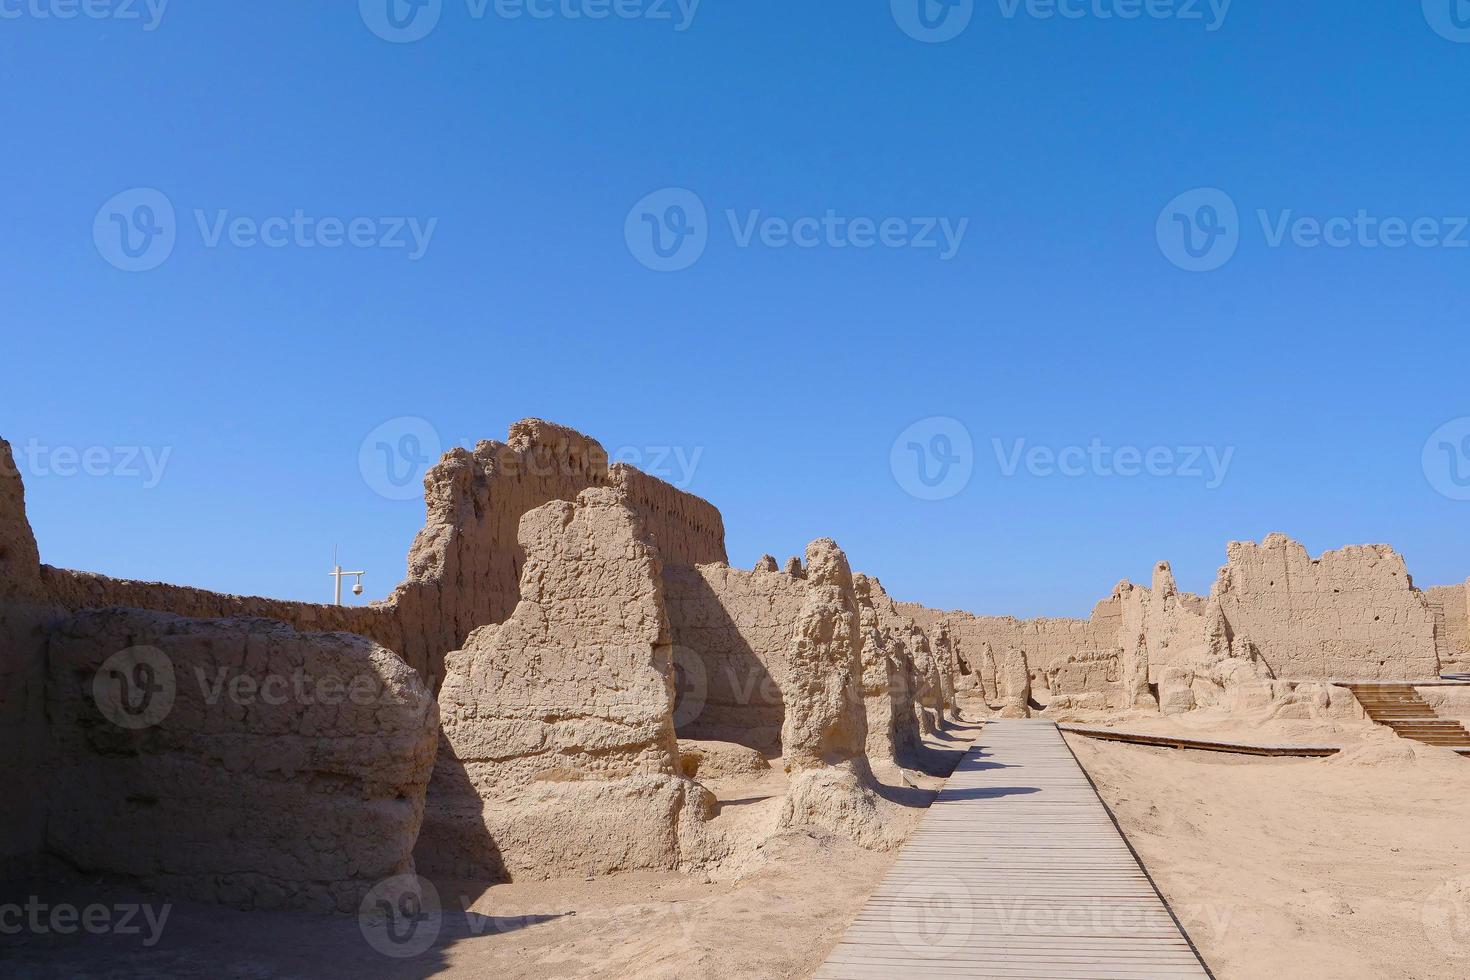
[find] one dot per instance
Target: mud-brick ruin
(568, 656)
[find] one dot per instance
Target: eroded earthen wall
(464, 566)
(234, 761)
(732, 631)
(1351, 614)
(1450, 605)
(559, 754)
(24, 615)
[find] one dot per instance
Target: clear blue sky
(789, 371)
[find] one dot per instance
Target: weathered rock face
(929, 692)
(825, 723)
(465, 565)
(825, 735)
(888, 685)
(1351, 613)
(958, 674)
(1013, 682)
(559, 755)
(238, 762)
(767, 563)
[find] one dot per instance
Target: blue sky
(781, 381)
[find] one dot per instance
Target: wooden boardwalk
(1017, 871)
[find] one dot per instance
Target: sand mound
(716, 760)
(1381, 748)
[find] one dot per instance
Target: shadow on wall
(454, 841)
(724, 691)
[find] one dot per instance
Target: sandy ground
(778, 919)
(1353, 866)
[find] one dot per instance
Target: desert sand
(1318, 869)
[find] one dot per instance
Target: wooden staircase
(1401, 708)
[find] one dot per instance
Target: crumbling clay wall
(776, 660)
(889, 681)
(1352, 613)
(1048, 642)
(1450, 605)
(463, 572)
(559, 755)
(825, 736)
(24, 613)
(464, 566)
(235, 761)
(732, 633)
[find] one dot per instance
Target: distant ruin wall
(1352, 613)
(1048, 642)
(1450, 605)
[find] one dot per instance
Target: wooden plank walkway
(1017, 871)
(1201, 745)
